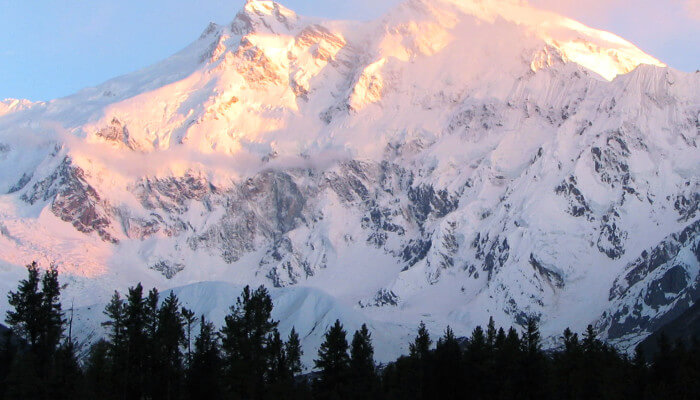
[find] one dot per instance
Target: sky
(53, 48)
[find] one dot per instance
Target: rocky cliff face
(655, 288)
(388, 163)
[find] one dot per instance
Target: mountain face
(684, 328)
(452, 160)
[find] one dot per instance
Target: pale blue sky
(52, 48)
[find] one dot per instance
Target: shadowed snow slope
(309, 311)
(451, 160)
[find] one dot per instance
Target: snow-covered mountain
(452, 160)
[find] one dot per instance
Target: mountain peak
(457, 159)
(12, 105)
(602, 52)
(268, 15)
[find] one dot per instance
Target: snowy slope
(310, 311)
(452, 160)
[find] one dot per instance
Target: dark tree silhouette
(147, 354)
(333, 364)
(246, 337)
(363, 375)
(204, 378)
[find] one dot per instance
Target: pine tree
(531, 385)
(8, 351)
(476, 361)
(448, 365)
(37, 317)
(500, 339)
(512, 342)
(663, 368)
(25, 316)
(98, 372)
(23, 381)
(571, 342)
(491, 333)
(51, 313)
(333, 364)
(420, 347)
(150, 314)
(509, 366)
(152, 358)
(280, 381)
(205, 371)
(418, 372)
(640, 373)
(363, 374)
(114, 311)
(170, 335)
(477, 342)
(294, 352)
(245, 342)
(590, 342)
(532, 340)
(136, 345)
(567, 380)
(66, 375)
(189, 318)
(590, 380)
(117, 348)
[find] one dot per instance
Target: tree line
(152, 351)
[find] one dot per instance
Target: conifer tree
(152, 358)
(245, 342)
(189, 318)
(333, 364)
(136, 343)
(36, 316)
(24, 378)
(420, 347)
(508, 363)
(532, 341)
(590, 379)
(8, 351)
(571, 342)
(66, 375)
(116, 346)
(98, 372)
(294, 352)
(170, 335)
(280, 381)
(567, 374)
(23, 381)
(477, 342)
(115, 313)
(500, 339)
(663, 367)
(24, 317)
(512, 342)
(419, 365)
(448, 363)
(640, 372)
(204, 374)
(51, 316)
(363, 374)
(491, 333)
(476, 360)
(150, 314)
(590, 342)
(530, 384)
